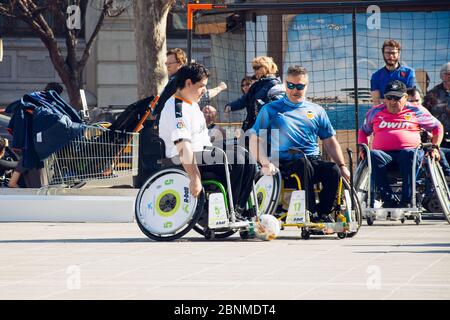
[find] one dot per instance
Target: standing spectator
(415, 99)
(175, 59)
(246, 83)
(414, 96)
(437, 101)
(215, 132)
(258, 94)
(393, 70)
(211, 93)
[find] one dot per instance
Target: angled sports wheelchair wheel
(356, 209)
(440, 187)
(361, 185)
(165, 209)
(268, 190)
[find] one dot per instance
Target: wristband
(342, 165)
(435, 146)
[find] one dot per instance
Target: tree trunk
(150, 31)
(73, 91)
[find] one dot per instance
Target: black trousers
(242, 172)
(211, 166)
(312, 171)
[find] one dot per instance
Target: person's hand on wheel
(345, 173)
(362, 154)
(435, 154)
(269, 169)
(195, 186)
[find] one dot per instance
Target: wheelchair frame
(414, 211)
(246, 228)
(344, 227)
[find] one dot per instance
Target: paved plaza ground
(116, 261)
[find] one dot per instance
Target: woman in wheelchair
(299, 123)
(396, 125)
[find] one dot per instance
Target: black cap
(395, 88)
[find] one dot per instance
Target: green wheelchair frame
(154, 214)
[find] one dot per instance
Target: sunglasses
(417, 100)
(257, 67)
(298, 86)
(395, 98)
(245, 85)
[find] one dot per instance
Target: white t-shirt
(181, 119)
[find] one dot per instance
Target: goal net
(322, 40)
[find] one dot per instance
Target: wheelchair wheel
(268, 190)
(201, 226)
(165, 209)
(356, 209)
(440, 187)
(362, 180)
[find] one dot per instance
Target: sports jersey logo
(394, 125)
(180, 125)
(402, 74)
(408, 116)
(310, 115)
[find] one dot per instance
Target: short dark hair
(2, 144)
(247, 79)
(412, 91)
(297, 70)
(391, 43)
(54, 86)
(194, 71)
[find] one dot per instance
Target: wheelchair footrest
(328, 228)
(239, 225)
(390, 213)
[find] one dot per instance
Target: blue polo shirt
(299, 125)
(382, 77)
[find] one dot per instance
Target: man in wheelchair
(396, 125)
(183, 129)
(300, 123)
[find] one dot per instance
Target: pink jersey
(396, 131)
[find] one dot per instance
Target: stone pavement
(116, 261)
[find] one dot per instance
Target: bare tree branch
(68, 68)
(87, 50)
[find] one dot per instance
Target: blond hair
(267, 63)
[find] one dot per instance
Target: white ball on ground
(268, 227)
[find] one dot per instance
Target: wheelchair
(282, 196)
(428, 178)
(165, 210)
